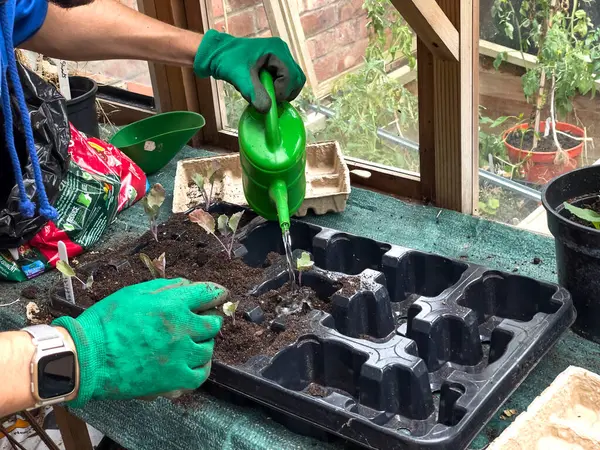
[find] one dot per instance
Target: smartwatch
(54, 368)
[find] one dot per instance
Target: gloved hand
(145, 340)
(240, 60)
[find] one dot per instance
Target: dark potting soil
(245, 339)
(368, 337)
(30, 292)
(349, 286)
(192, 254)
(189, 252)
(545, 144)
(593, 204)
(317, 390)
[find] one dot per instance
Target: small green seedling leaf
(152, 203)
(234, 221)
(149, 264)
(204, 220)
(304, 263)
(213, 171)
(65, 269)
(207, 223)
(584, 214)
(229, 309)
(222, 223)
(198, 180)
(160, 264)
(156, 196)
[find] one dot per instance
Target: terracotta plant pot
(540, 167)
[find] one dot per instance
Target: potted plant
(572, 201)
(568, 63)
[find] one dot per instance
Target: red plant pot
(540, 167)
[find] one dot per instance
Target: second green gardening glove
(145, 340)
(240, 60)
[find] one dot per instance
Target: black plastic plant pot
(81, 109)
(577, 246)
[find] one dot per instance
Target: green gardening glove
(239, 61)
(145, 340)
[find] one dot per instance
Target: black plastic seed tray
(419, 354)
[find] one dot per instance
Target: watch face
(56, 375)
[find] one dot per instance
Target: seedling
(64, 268)
(155, 266)
(152, 203)
(229, 309)
(303, 264)
(227, 226)
(211, 175)
(585, 214)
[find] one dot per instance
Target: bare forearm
(106, 29)
(16, 353)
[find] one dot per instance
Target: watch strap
(45, 337)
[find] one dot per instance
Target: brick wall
(245, 18)
(335, 30)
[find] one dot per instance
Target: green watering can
(151, 143)
(273, 158)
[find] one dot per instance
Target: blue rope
(27, 208)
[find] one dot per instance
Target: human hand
(145, 340)
(240, 60)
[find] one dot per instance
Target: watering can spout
(279, 195)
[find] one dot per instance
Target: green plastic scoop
(151, 143)
(273, 158)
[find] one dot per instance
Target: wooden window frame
(448, 84)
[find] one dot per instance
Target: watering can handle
(272, 117)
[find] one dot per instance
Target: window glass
(364, 59)
(241, 18)
(538, 115)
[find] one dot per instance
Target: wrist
(207, 50)
(21, 353)
(87, 337)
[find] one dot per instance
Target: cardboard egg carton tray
(565, 416)
(327, 181)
